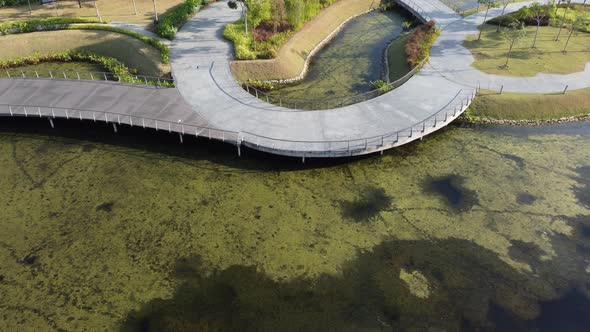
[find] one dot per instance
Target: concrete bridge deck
(209, 102)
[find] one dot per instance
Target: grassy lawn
(114, 10)
(132, 52)
(516, 106)
(490, 52)
(291, 56)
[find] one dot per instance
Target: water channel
(472, 228)
(350, 62)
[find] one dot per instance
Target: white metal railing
(115, 119)
(298, 148)
(417, 9)
(88, 75)
(335, 148)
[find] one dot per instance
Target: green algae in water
(126, 231)
(350, 62)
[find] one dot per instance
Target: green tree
(258, 11)
(504, 5)
(561, 24)
(579, 23)
(538, 13)
(279, 13)
(513, 35)
(488, 3)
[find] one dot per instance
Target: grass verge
(115, 10)
(128, 50)
(490, 52)
(518, 106)
(292, 56)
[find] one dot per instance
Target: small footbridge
(206, 101)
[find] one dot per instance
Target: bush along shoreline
(270, 25)
(44, 24)
(112, 65)
(420, 42)
(175, 18)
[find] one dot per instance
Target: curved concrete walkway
(209, 102)
(200, 63)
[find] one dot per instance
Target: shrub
(285, 16)
(112, 65)
(522, 15)
(43, 24)
(418, 45)
(381, 85)
(173, 20)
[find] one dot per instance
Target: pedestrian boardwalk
(209, 102)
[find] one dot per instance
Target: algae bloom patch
(416, 282)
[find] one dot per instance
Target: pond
(472, 228)
(349, 63)
(57, 69)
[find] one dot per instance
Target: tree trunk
(155, 11)
(79, 3)
(134, 8)
(97, 12)
(245, 14)
(484, 22)
(568, 39)
(509, 53)
(503, 9)
(536, 33)
(561, 24)
(30, 9)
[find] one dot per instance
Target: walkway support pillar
(115, 127)
(51, 123)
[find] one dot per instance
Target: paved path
(200, 63)
(208, 97)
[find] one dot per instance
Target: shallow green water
(350, 62)
(470, 228)
(56, 69)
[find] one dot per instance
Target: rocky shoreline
(482, 120)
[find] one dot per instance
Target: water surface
(470, 229)
(350, 62)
